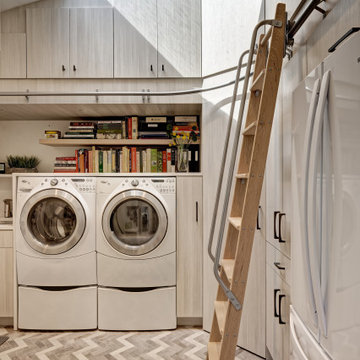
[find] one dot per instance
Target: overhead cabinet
(157, 38)
(63, 43)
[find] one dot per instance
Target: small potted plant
(182, 141)
(26, 164)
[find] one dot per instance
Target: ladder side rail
(224, 156)
(226, 289)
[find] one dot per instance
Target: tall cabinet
(189, 250)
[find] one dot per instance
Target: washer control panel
(85, 185)
(164, 186)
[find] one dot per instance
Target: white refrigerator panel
(305, 98)
(342, 290)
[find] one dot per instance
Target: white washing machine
(136, 253)
(55, 252)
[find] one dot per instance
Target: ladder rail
(229, 294)
(225, 151)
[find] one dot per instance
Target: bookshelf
(106, 142)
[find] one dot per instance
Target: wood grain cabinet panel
(47, 32)
(6, 274)
(13, 56)
(179, 38)
(91, 42)
(135, 38)
(189, 247)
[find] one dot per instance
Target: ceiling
(10, 4)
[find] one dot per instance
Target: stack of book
(185, 125)
(52, 134)
(126, 128)
(65, 164)
(153, 127)
(125, 160)
(81, 130)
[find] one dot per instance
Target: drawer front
(279, 262)
(6, 239)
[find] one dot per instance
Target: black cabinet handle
(351, 31)
(162, 67)
(151, 68)
(281, 322)
(275, 311)
(63, 67)
(257, 220)
(281, 240)
(276, 236)
(74, 67)
(197, 211)
(277, 264)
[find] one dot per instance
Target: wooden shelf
(104, 142)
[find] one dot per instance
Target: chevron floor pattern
(180, 344)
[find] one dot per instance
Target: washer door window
(52, 221)
(134, 222)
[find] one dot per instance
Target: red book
(82, 162)
(63, 171)
(129, 123)
(185, 128)
(65, 158)
(77, 160)
(164, 159)
(86, 161)
(133, 159)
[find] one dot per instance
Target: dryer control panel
(85, 185)
(164, 186)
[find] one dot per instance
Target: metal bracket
(97, 96)
(148, 97)
(276, 23)
(233, 299)
(143, 97)
(27, 97)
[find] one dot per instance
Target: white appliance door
(342, 297)
(303, 346)
(305, 100)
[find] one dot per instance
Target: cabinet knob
(162, 67)
(63, 67)
(281, 322)
(151, 68)
(74, 67)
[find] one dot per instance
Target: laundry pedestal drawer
(137, 309)
(72, 309)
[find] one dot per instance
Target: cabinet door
(13, 56)
(189, 247)
(91, 42)
(47, 32)
(135, 38)
(6, 274)
(179, 38)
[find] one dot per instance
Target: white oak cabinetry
(13, 55)
(179, 38)
(47, 31)
(157, 38)
(76, 42)
(91, 42)
(6, 274)
(189, 249)
(277, 304)
(135, 38)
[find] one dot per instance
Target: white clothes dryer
(136, 252)
(55, 252)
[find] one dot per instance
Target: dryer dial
(135, 182)
(54, 182)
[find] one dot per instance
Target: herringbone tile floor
(180, 344)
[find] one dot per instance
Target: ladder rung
(242, 176)
(250, 130)
(228, 266)
(236, 222)
(214, 350)
(258, 82)
(221, 310)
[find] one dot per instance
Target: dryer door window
(52, 221)
(134, 222)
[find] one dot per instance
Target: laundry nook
(179, 179)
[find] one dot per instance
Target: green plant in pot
(22, 163)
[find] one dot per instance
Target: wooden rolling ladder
(233, 270)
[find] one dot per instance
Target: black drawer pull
(74, 67)
(351, 31)
(275, 311)
(257, 220)
(276, 236)
(197, 211)
(162, 67)
(281, 322)
(151, 68)
(277, 264)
